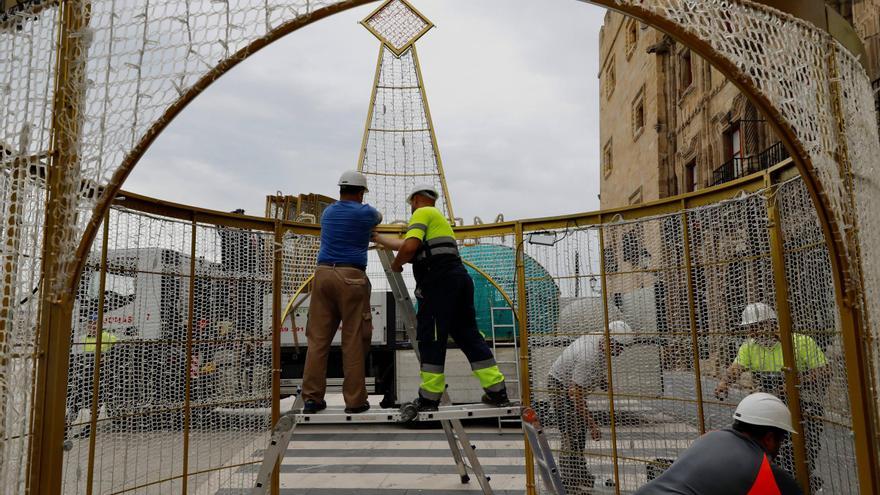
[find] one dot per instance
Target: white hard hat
(419, 188)
(756, 313)
(353, 178)
(621, 332)
(762, 409)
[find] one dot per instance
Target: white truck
(146, 309)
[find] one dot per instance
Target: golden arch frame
(847, 262)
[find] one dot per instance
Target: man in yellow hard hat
(445, 293)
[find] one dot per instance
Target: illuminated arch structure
(88, 86)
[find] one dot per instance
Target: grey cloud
(512, 90)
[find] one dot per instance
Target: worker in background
(761, 354)
(80, 397)
(445, 295)
(736, 460)
(341, 293)
(580, 370)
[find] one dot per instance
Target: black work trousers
(573, 431)
(446, 309)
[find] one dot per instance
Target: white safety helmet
(756, 313)
(621, 332)
(353, 178)
(422, 188)
(762, 409)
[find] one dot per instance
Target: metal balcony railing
(746, 165)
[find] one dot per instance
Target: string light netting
(399, 147)
(680, 283)
(84, 89)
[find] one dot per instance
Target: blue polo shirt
(346, 228)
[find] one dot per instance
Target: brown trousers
(338, 295)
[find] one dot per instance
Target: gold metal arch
(45, 475)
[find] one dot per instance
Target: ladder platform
(463, 451)
(337, 414)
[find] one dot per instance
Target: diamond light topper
(397, 24)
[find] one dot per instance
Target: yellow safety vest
(107, 341)
(756, 357)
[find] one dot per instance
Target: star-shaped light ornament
(397, 24)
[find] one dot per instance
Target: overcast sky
(513, 92)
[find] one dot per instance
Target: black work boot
(410, 411)
(388, 402)
(312, 406)
(422, 404)
(497, 399)
(358, 409)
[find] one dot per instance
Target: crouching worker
(580, 370)
(737, 460)
(445, 294)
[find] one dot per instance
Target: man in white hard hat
(736, 460)
(580, 370)
(445, 293)
(341, 293)
(761, 354)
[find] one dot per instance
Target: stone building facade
(864, 15)
(670, 123)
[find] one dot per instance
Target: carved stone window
(686, 72)
(638, 114)
(632, 37)
(607, 158)
(610, 78)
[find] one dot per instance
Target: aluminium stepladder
(463, 452)
(541, 452)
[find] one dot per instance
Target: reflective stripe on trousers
(489, 375)
(446, 309)
(433, 381)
